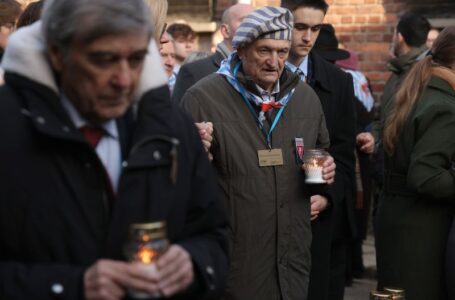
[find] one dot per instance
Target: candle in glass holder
(146, 243)
(313, 164)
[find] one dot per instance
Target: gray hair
(63, 20)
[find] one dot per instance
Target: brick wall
(366, 26)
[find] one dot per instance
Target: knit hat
(264, 23)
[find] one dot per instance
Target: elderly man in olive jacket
(262, 115)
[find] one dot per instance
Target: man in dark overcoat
(332, 231)
(81, 161)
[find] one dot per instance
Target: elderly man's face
(264, 61)
(100, 77)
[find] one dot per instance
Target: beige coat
(268, 207)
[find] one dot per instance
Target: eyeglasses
(163, 30)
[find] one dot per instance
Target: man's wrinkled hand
(318, 204)
(205, 130)
(328, 170)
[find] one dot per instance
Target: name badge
(269, 158)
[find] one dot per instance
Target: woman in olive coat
(415, 212)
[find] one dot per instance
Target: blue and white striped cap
(264, 23)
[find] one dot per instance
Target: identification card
(269, 158)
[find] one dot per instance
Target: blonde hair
(158, 12)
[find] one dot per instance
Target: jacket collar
(404, 62)
(317, 70)
(443, 79)
(217, 58)
(223, 50)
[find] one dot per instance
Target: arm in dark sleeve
(185, 80)
(342, 146)
(40, 281)
(206, 227)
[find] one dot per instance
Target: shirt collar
(275, 91)
(303, 66)
(110, 126)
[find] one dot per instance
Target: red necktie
(265, 107)
(93, 135)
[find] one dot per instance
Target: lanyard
(253, 112)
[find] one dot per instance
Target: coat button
(57, 289)
(210, 270)
(40, 120)
(125, 164)
(87, 165)
(156, 155)
(65, 129)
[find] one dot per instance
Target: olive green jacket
(416, 210)
(268, 207)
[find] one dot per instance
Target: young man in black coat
(332, 230)
(79, 165)
(191, 73)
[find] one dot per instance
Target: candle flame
(146, 255)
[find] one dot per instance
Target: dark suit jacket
(191, 73)
(336, 93)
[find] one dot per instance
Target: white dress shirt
(108, 148)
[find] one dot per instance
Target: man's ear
(400, 37)
(56, 57)
(225, 31)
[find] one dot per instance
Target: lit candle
(314, 160)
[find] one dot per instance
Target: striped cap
(266, 23)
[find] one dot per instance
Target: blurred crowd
(110, 118)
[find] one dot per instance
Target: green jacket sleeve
(431, 170)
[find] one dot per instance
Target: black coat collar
(320, 72)
(43, 106)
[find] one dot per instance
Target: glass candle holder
(397, 293)
(147, 242)
(313, 163)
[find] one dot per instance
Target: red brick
(346, 20)
(370, 1)
(370, 9)
(387, 38)
(391, 18)
(374, 47)
(348, 29)
(345, 38)
(368, 66)
(333, 19)
(359, 38)
(357, 1)
(378, 88)
(378, 76)
(374, 19)
(374, 38)
(377, 28)
(342, 10)
(360, 19)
